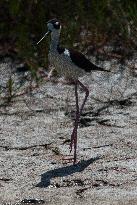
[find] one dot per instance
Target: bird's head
(54, 28)
(53, 25)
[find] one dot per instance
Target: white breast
(64, 65)
(66, 52)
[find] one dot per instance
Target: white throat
(54, 40)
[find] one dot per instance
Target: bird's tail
(97, 68)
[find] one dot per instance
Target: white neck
(54, 40)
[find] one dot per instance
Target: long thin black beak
(43, 37)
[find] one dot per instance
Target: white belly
(65, 66)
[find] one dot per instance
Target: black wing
(81, 61)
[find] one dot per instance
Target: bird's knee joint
(87, 92)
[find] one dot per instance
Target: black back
(60, 49)
(80, 60)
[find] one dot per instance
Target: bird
(71, 64)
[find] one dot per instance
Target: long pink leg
(74, 133)
(78, 113)
(86, 96)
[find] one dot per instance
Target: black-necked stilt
(71, 64)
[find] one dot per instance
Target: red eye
(57, 25)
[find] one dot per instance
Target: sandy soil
(35, 131)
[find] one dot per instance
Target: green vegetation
(23, 23)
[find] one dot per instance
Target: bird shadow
(64, 171)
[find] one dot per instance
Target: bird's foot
(68, 159)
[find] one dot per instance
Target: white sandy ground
(35, 133)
